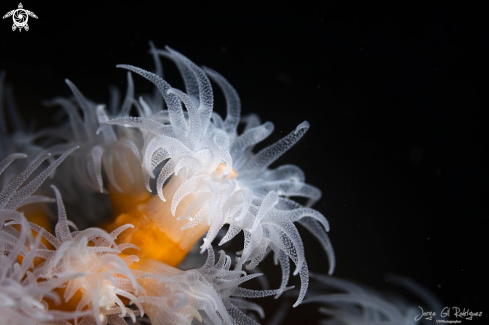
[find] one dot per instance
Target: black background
(395, 95)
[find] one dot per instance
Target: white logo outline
(20, 16)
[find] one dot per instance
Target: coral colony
(144, 182)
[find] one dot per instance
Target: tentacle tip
(222, 242)
(124, 66)
(160, 195)
(304, 125)
(204, 246)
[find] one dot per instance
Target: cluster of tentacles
(138, 184)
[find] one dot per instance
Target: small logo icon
(20, 17)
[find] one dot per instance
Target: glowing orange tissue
(156, 231)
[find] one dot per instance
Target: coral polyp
(144, 182)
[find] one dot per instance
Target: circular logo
(20, 17)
